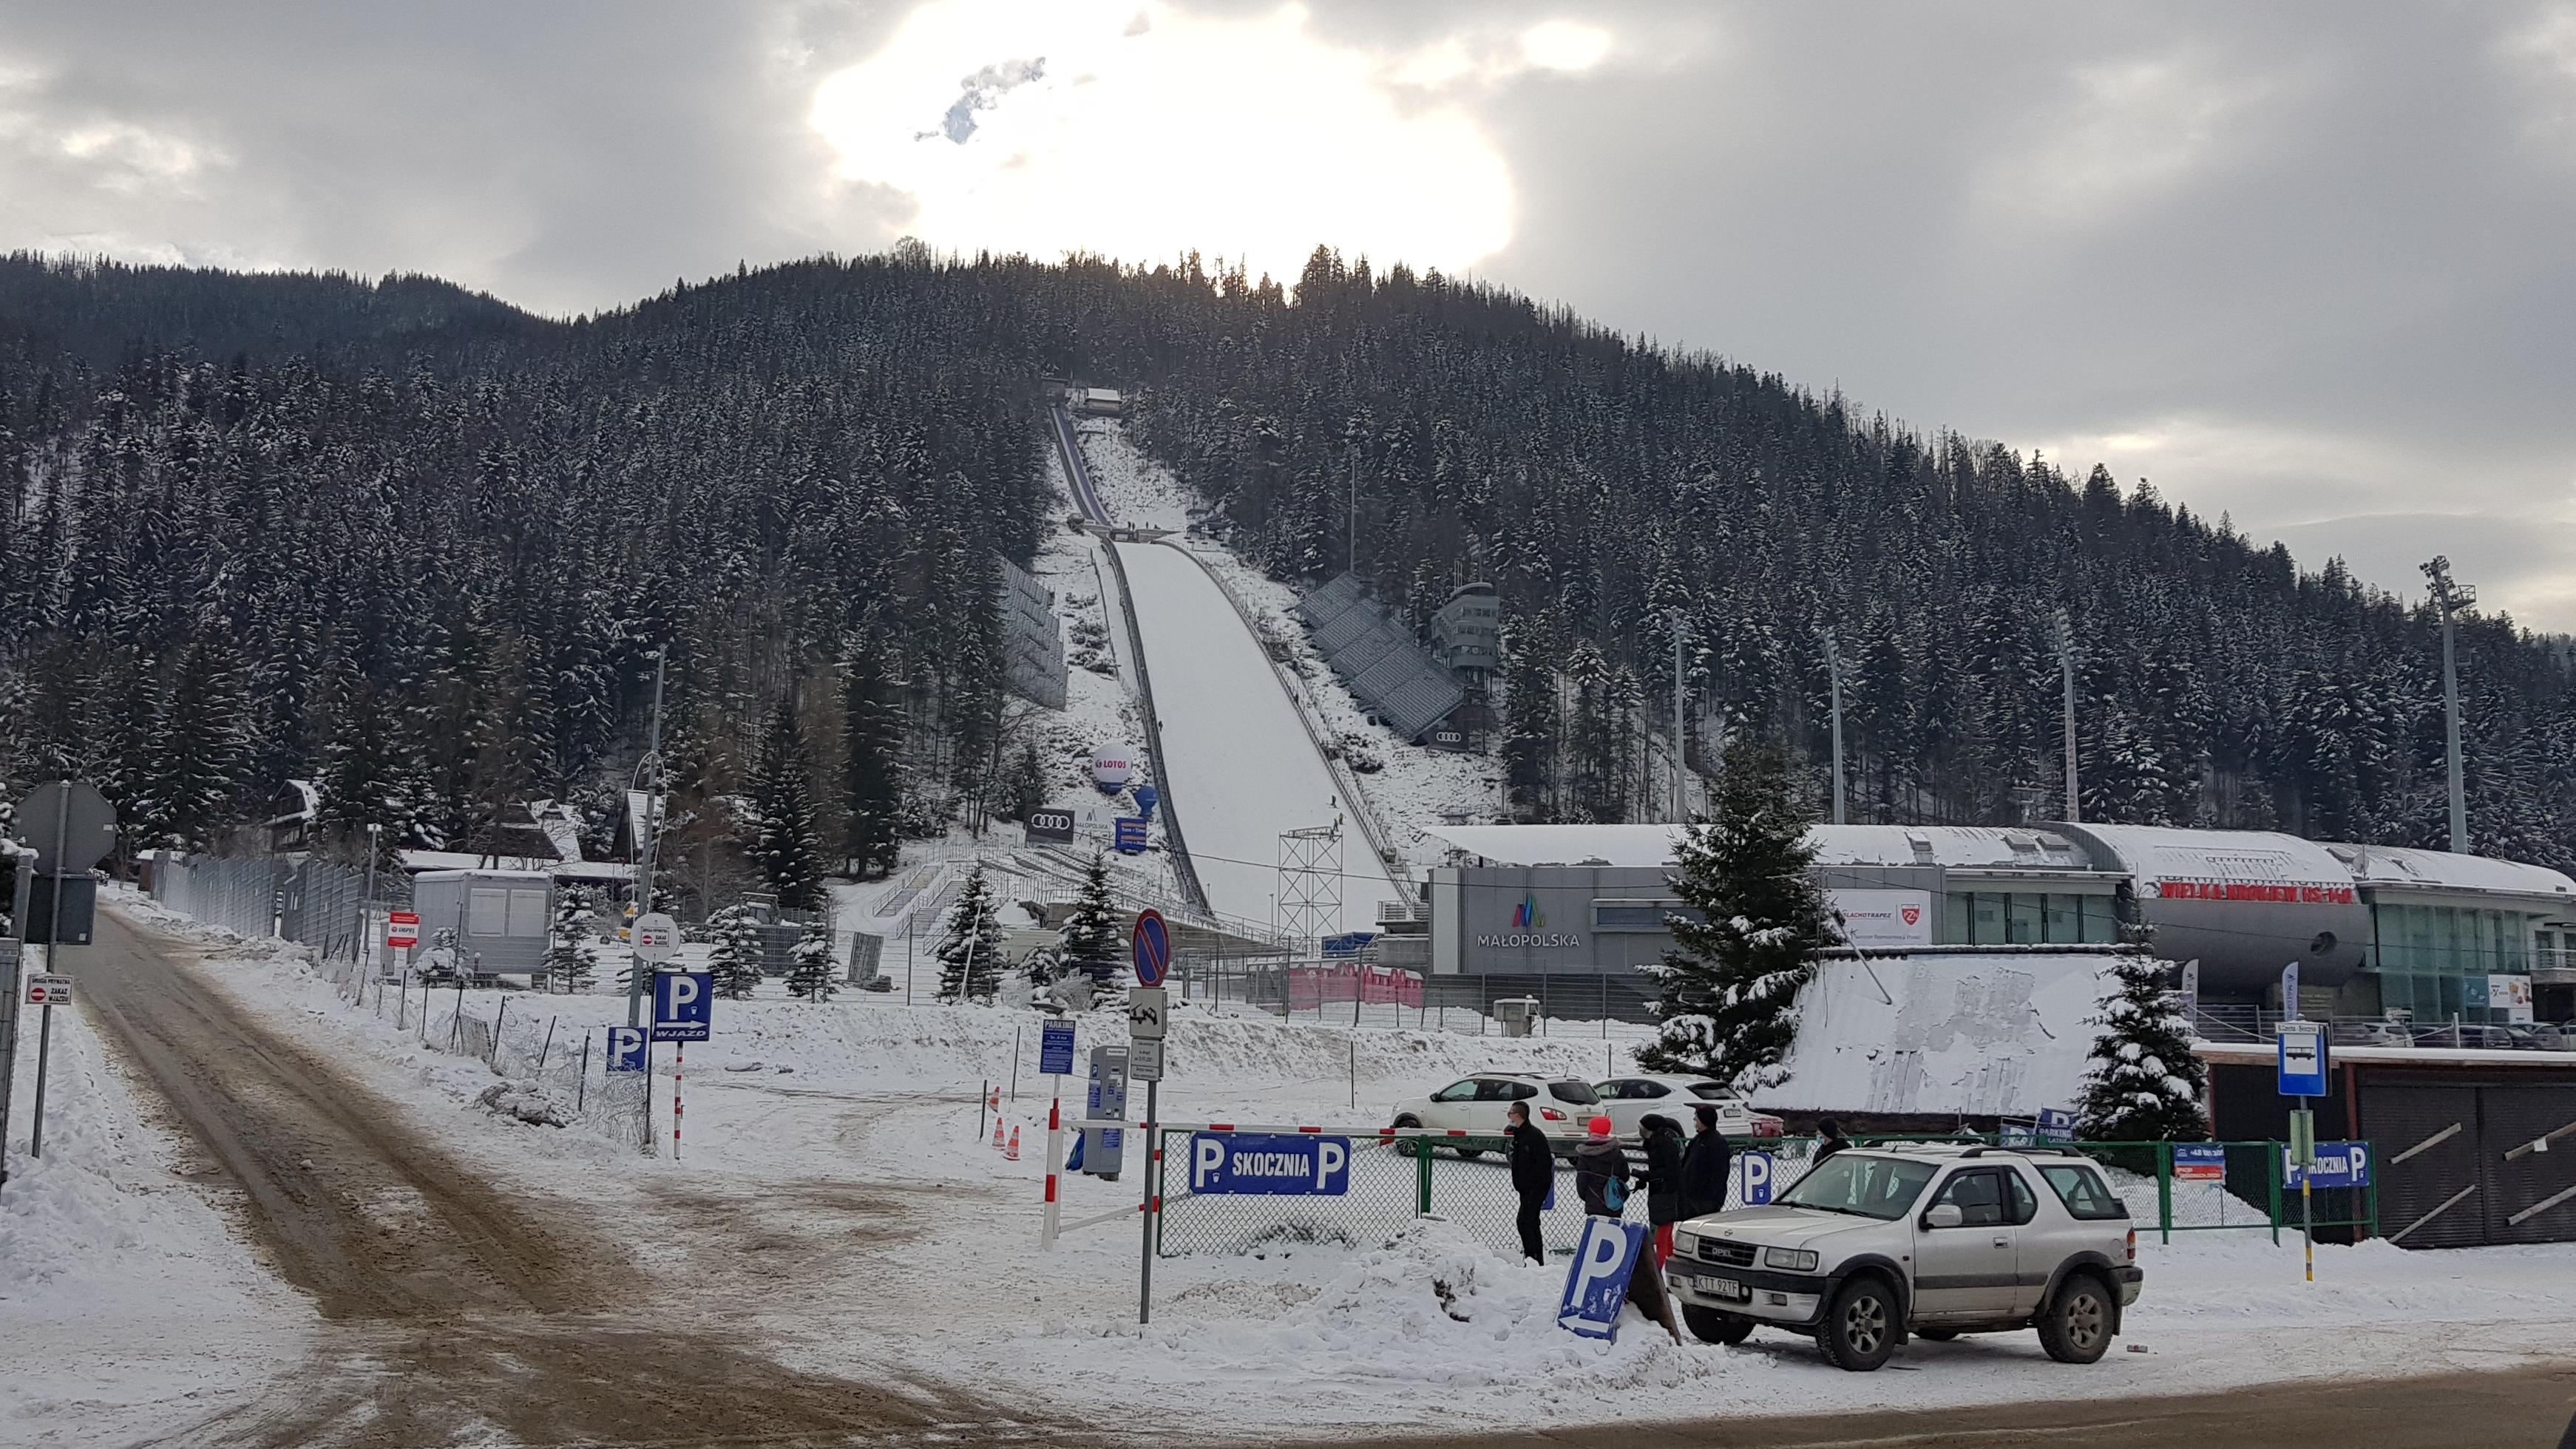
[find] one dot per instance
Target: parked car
(2558, 1038)
(2485, 1038)
(1935, 1239)
(1766, 1125)
(1559, 1107)
(1627, 1101)
(2381, 1034)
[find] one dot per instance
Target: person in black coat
(1663, 1142)
(1704, 1164)
(1533, 1176)
(1601, 1172)
(1833, 1141)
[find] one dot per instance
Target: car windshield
(1578, 1093)
(1873, 1187)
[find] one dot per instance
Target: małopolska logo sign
(1529, 928)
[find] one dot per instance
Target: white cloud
(2135, 128)
(1240, 137)
(1565, 45)
(2544, 53)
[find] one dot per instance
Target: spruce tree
(787, 849)
(810, 977)
(1728, 1007)
(569, 957)
(1091, 932)
(871, 766)
(2144, 1085)
(734, 964)
(970, 958)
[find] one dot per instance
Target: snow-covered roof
(2402, 867)
(1956, 847)
(2158, 853)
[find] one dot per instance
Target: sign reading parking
(2303, 1067)
(1275, 1164)
(2339, 1164)
(1754, 1174)
(1151, 947)
(1055, 1049)
(1596, 1283)
(683, 1005)
(626, 1049)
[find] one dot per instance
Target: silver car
(1932, 1239)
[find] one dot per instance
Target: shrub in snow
(734, 964)
(970, 959)
(530, 1104)
(1730, 983)
(1091, 939)
(568, 946)
(810, 974)
(2144, 1085)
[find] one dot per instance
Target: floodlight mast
(2450, 597)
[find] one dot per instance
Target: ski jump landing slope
(1236, 754)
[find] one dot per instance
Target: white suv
(1560, 1107)
(1934, 1239)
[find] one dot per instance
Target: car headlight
(1794, 1260)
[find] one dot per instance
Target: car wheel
(1408, 1146)
(1470, 1154)
(1937, 1335)
(2076, 1326)
(1710, 1326)
(1859, 1331)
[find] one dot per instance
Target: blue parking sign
(1754, 1174)
(1269, 1163)
(1055, 1049)
(683, 1005)
(1596, 1283)
(626, 1049)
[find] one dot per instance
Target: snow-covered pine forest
(416, 545)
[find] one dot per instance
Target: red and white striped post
(1055, 1165)
(679, 1059)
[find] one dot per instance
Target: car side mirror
(1945, 1215)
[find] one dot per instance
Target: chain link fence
(1467, 1181)
(317, 902)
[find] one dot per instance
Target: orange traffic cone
(997, 1132)
(1012, 1152)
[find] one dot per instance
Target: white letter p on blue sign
(1596, 1283)
(1207, 1155)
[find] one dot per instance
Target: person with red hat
(1601, 1172)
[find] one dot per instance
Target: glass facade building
(2434, 960)
(2026, 918)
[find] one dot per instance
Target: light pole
(1681, 731)
(367, 906)
(2064, 629)
(649, 772)
(1834, 667)
(2450, 597)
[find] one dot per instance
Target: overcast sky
(2312, 265)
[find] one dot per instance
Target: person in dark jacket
(1704, 1164)
(1834, 1140)
(1663, 1141)
(1601, 1172)
(1533, 1177)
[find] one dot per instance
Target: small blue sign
(2056, 1124)
(1129, 838)
(2303, 1064)
(1596, 1283)
(1754, 1174)
(2339, 1164)
(683, 1005)
(1146, 795)
(2200, 1162)
(1151, 947)
(1280, 1164)
(1055, 1049)
(626, 1048)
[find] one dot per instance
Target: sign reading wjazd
(683, 1005)
(1596, 1283)
(1276, 1164)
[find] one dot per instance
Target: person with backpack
(1533, 1177)
(1601, 1172)
(1663, 1142)
(1704, 1164)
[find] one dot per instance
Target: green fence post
(1421, 1176)
(2272, 1180)
(2164, 1193)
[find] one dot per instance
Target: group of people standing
(1684, 1177)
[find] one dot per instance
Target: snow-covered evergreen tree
(1728, 1007)
(871, 766)
(787, 849)
(2144, 1085)
(734, 965)
(970, 958)
(1091, 933)
(810, 976)
(569, 952)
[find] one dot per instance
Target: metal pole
(23, 869)
(679, 1061)
(581, 1084)
(367, 903)
(1015, 1064)
(1152, 1208)
(652, 772)
(2450, 597)
(2066, 668)
(1681, 730)
(549, 1044)
(44, 1047)
(53, 962)
(1834, 668)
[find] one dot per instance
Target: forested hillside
(417, 545)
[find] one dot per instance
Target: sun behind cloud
(1140, 131)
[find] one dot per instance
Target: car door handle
(2003, 1242)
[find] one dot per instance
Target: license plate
(1726, 1288)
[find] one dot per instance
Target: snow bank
(1967, 1035)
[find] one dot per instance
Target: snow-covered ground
(127, 1302)
(797, 1111)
